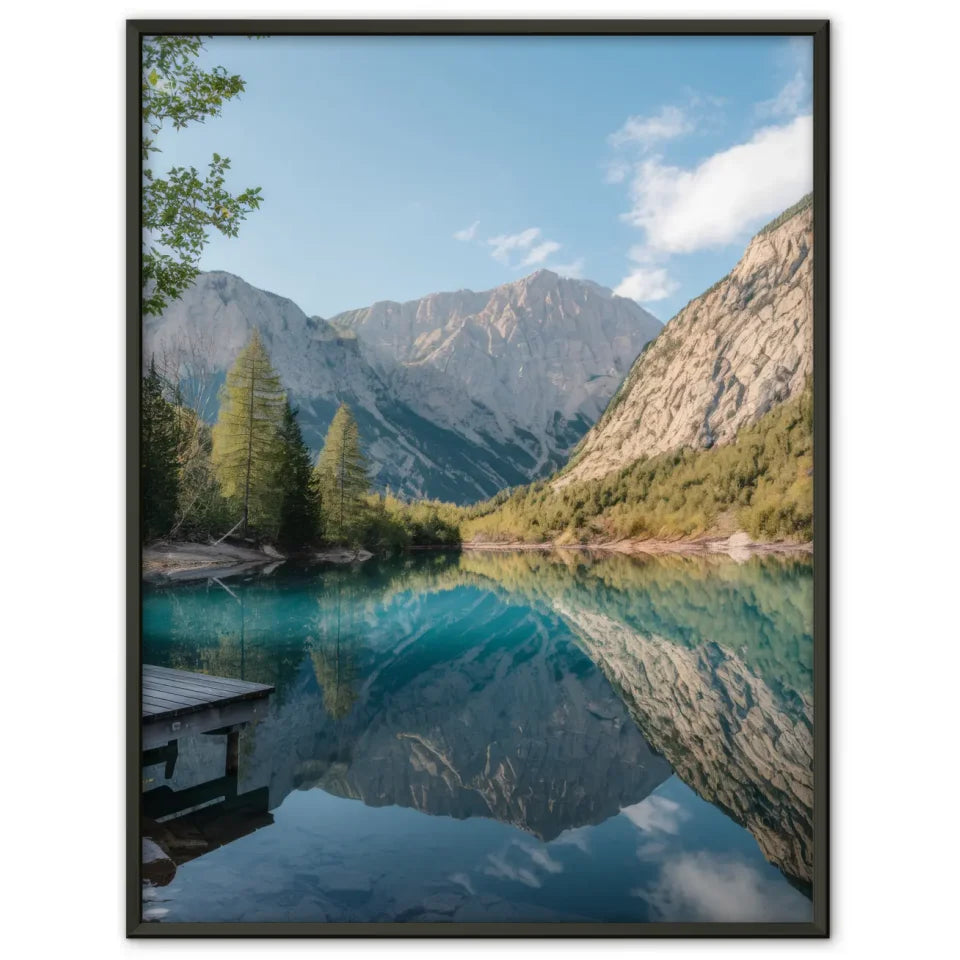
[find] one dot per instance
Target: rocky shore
(738, 546)
(164, 560)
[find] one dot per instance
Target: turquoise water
(497, 736)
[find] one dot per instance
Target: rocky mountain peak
(723, 361)
(543, 354)
(458, 394)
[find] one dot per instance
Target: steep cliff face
(721, 363)
(543, 355)
(321, 366)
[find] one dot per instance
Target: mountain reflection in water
(577, 737)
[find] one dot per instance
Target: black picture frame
(819, 30)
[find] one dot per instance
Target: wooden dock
(176, 703)
(179, 825)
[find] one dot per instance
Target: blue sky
(396, 167)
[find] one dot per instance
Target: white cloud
(575, 837)
(706, 887)
(617, 171)
(505, 244)
(574, 269)
(669, 123)
(540, 253)
(795, 60)
(498, 867)
(655, 815)
(543, 859)
(462, 880)
(792, 99)
(467, 233)
(643, 255)
(651, 850)
(646, 284)
(529, 248)
(507, 865)
(714, 203)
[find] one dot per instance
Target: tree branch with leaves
(182, 207)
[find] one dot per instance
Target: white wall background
(896, 368)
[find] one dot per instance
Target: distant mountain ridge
(542, 354)
(457, 395)
(726, 359)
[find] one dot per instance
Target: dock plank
(187, 676)
(195, 686)
(169, 693)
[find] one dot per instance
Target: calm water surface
(496, 736)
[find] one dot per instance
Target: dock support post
(233, 752)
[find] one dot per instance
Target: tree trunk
(246, 490)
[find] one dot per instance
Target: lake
(496, 736)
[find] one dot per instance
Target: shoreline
(737, 546)
(165, 561)
(168, 561)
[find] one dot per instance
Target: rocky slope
(722, 362)
(320, 365)
(457, 395)
(543, 355)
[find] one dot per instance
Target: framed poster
(478, 474)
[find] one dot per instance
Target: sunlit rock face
(725, 732)
(721, 363)
(457, 395)
(543, 355)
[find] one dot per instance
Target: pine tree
(298, 515)
(334, 658)
(340, 479)
(159, 439)
(246, 436)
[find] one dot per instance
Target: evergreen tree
(340, 479)
(298, 519)
(159, 439)
(246, 436)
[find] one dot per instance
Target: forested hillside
(761, 483)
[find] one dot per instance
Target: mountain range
(460, 395)
(457, 395)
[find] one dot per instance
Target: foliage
(340, 480)
(181, 207)
(159, 440)
(246, 438)
(391, 524)
(202, 510)
(761, 609)
(762, 483)
(297, 522)
(798, 207)
(257, 446)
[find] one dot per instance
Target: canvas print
(476, 480)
